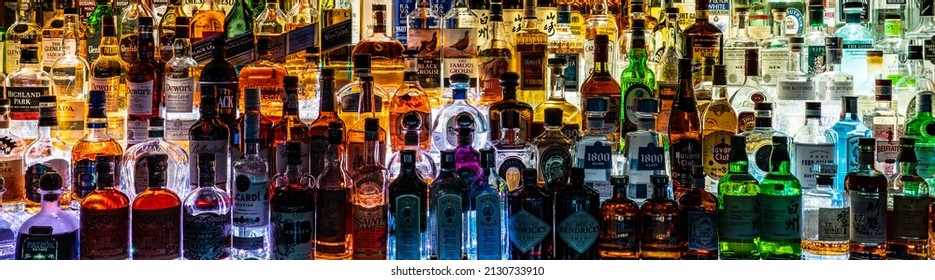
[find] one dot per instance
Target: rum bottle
(209, 135)
(684, 132)
(602, 84)
(530, 224)
(292, 212)
(96, 144)
(334, 211)
(370, 228)
(780, 199)
(738, 210)
(718, 124)
(46, 154)
(660, 217)
(907, 208)
(620, 224)
(266, 135)
(251, 206)
(699, 219)
(702, 38)
(156, 215)
(448, 213)
(51, 226)
(318, 130)
(206, 214)
(867, 191)
(266, 75)
(105, 215)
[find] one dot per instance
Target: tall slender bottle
(206, 215)
(718, 124)
(886, 125)
(867, 191)
(156, 216)
(105, 216)
(210, 135)
(577, 209)
(702, 39)
(220, 75)
(318, 130)
(848, 130)
(108, 74)
(448, 213)
(290, 128)
(334, 211)
(369, 192)
(408, 212)
(564, 44)
(488, 213)
(684, 132)
(70, 83)
(601, 83)
(530, 224)
(46, 154)
(907, 208)
(144, 85)
(738, 208)
(292, 210)
(780, 198)
(637, 81)
(251, 205)
(181, 111)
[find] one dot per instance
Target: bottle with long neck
(290, 128)
(749, 94)
(46, 154)
(334, 211)
(564, 44)
(815, 39)
(885, 124)
(108, 73)
(318, 130)
(487, 212)
(867, 191)
(292, 206)
(684, 132)
(774, 54)
(251, 207)
(96, 143)
(738, 211)
(833, 83)
(907, 202)
(179, 87)
(848, 129)
(637, 81)
(210, 135)
(58, 227)
(370, 228)
(913, 82)
(780, 198)
(70, 83)
(144, 85)
(495, 55)
(222, 76)
(448, 213)
(602, 84)
(718, 124)
(601, 22)
(741, 40)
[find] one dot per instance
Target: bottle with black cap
(334, 203)
(906, 87)
(699, 219)
(410, 108)
(594, 152)
(684, 131)
(144, 84)
(206, 214)
(363, 94)
(815, 38)
(780, 200)
(448, 211)
(867, 191)
(107, 74)
(848, 129)
(513, 152)
(370, 207)
(825, 217)
(408, 212)
(644, 152)
(738, 211)
(424, 162)
(95, 144)
(318, 130)
(554, 149)
(571, 116)
(907, 237)
(457, 115)
(51, 226)
(356, 133)
(210, 135)
(46, 154)
(885, 123)
(105, 215)
(745, 98)
(290, 127)
(813, 144)
(759, 140)
(156, 215)
(488, 216)
(577, 210)
(718, 124)
(251, 210)
(659, 223)
(23, 86)
(601, 83)
(834, 83)
(469, 159)
(386, 52)
(292, 203)
(620, 224)
(134, 166)
(267, 75)
(179, 87)
(510, 82)
(531, 223)
(70, 79)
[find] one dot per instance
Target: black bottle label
(84, 176)
(686, 153)
(206, 236)
(337, 35)
(868, 217)
(331, 222)
(554, 163)
(105, 234)
(911, 217)
(319, 146)
(702, 230)
(157, 234)
(41, 244)
(740, 218)
(291, 235)
(779, 216)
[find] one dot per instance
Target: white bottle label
(51, 47)
(773, 62)
(179, 93)
(808, 155)
(137, 131)
(141, 98)
(795, 90)
(177, 130)
(734, 62)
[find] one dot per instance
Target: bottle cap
(824, 174)
(915, 52)
(96, 98)
(619, 180)
(647, 105)
(812, 3)
(907, 142)
(751, 54)
(290, 81)
(366, 78)
(460, 79)
(496, 11)
(558, 61)
(146, 21)
(411, 138)
(157, 122)
(371, 124)
(509, 80)
(813, 109)
(48, 111)
(892, 17)
(553, 117)
(379, 7)
(763, 106)
(659, 180)
(638, 24)
(459, 93)
(797, 40)
(252, 98)
(780, 140)
(720, 75)
(636, 6)
(530, 177)
(50, 181)
(335, 133)
(866, 141)
(779, 10)
(362, 61)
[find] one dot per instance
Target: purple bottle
(467, 159)
(51, 234)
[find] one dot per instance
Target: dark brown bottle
(659, 220)
(699, 220)
(866, 189)
(620, 224)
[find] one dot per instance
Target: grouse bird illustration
(427, 47)
(463, 43)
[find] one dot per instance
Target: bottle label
(24, 102)
(404, 7)
(338, 34)
(111, 88)
(779, 216)
(461, 120)
(12, 55)
(429, 66)
(9, 171)
(926, 169)
(351, 103)
(554, 163)
(488, 207)
(734, 61)
(837, 89)
(702, 230)
(761, 157)
(331, 222)
(649, 157)
(527, 230)
(852, 151)
(633, 94)
(716, 153)
(685, 153)
(179, 94)
(620, 231)
(137, 131)
(746, 120)
(589, 49)
(491, 67)
(370, 225)
(702, 46)
(740, 217)
(773, 62)
(833, 224)
(129, 48)
(795, 90)
(141, 174)
(854, 58)
(816, 60)
(579, 230)
(660, 229)
(597, 162)
(52, 48)
(41, 244)
(251, 202)
(867, 217)
(408, 222)
(84, 174)
(572, 79)
(206, 236)
(533, 70)
(157, 234)
(885, 131)
(292, 234)
(281, 156)
(808, 155)
(105, 234)
(71, 118)
(450, 233)
(460, 54)
(795, 21)
(221, 156)
(228, 94)
(911, 217)
(177, 130)
(510, 166)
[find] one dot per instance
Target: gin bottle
(856, 41)
(408, 211)
(467, 158)
(659, 228)
(51, 226)
(792, 88)
(780, 199)
(531, 224)
(206, 215)
(577, 209)
(513, 153)
(646, 151)
(886, 126)
(751, 93)
(916, 128)
(913, 82)
(594, 152)
(736, 46)
(825, 219)
(924, 31)
(448, 213)
(554, 149)
(425, 164)
(848, 129)
(867, 191)
(488, 212)
(833, 84)
(814, 46)
(774, 56)
(251, 209)
(156, 215)
(812, 145)
(45, 154)
(718, 124)
(136, 171)
(738, 208)
(620, 224)
(906, 210)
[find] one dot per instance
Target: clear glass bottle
(856, 41)
(62, 224)
(181, 111)
(774, 55)
(135, 162)
(349, 96)
(24, 28)
(108, 74)
(913, 82)
(370, 193)
(458, 114)
(812, 145)
(892, 46)
(564, 44)
(825, 219)
(46, 154)
(815, 39)
(424, 164)
(595, 150)
(554, 149)
(9, 226)
(759, 140)
(165, 29)
(488, 212)
(792, 88)
(206, 216)
(886, 126)
(751, 93)
(646, 151)
(25, 84)
(558, 98)
(736, 46)
(833, 84)
(907, 203)
(600, 22)
(924, 31)
(70, 84)
(513, 152)
(271, 21)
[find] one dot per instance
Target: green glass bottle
(239, 20)
(920, 127)
(780, 199)
(638, 80)
(907, 208)
(95, 21)
(739, 232)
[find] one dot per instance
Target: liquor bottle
(23, 87)
(290, 128)
(664, 47)
(792, 88)
(24, 28)
(51, 226)
(759, 140)
(206, 214)
(531, 223)
(207, 21)
(46, 154)
(865, 89)
(266, 75)
(885, 125)
(620, 224)
(751, 93)
(487, 213)
(637, 80)
(334, 211)
(646, 152)
(251, 205)
(318, 130)
(594, 151)
(52, 35)
(467, 159)
(600, 83)
(424, 28)
(738, 211)
(448, 213)
(310, 78)
(856, 41)
(699, 220)
(833, 84)
(70, 84)
(9, 226)
(350, 96)
(825, 211)
(812, 145)
(906, 211)
(513, 152)
(924, 31)
(780, 198)
(16, 193)
(239, 19)
(736, 46)
(531, 45)
(495, 55)
(794, 23)
(702, 38)
(513, 16)
(144, 85)
(135, 160)
(108, 74)
(408, 213)
(410, 108)
(815, 39)
(660, 218)
(270, 22)
(703, 88)
(156, 214)
(510, 83)
(571, 116)
(165, 31)
(266, 149)
(357, 150)
(913, 82)
(95, 144)
(425, 165)
(105, 215)
(129, 22)
(337, 27)
(460, 42)
(292, 208)
(403, 8)
(220, 75)
(892, 46)
(600, 22)
(848, 130)
(684, 132)
(370, 199)
(301, 14)
(577, 208)
(386, 54)
(719, 123)
(775, 51)
(459, 114)
(209, 135)
(867, 191)
(554, 149)
(564, 44)
(925, 141)
(179, 87)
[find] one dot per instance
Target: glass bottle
(637, 80)
(667, 68)
(70, 84)
(165, 29)
(58, 227)
(885, 125)
(510, 82)
(351, 96)
(266, 75)
(292, 208)
(925, 141)
(913, 82)
(848, 129)
(600, 22)
(46, 154)
(600, 83)
(386, 53)
(467, 158)
(410, 109)
(105, 216)
(495, 55)
(620, 224)
(751, 93)
(302, 14)
(734, 56)
(595, 150)
(290, 128)
(487, 212)
(892, 46)
(825, 211)
(181, 111)
(310, 78)
(52, 33)
(270, 22)
(22, 87)
(530, 61)
(23, 28)
(554, 149)
(531, 224)
(334, 211)
(646, 151)
(408, 213)
(703, 88)
(9, 226)
(425, 165)
(780, 198)
(16, 193)
(812, 145)
(856, 41)
(513, 152)
(815, 39)
(774, 55)
(156, 215)
(221, 75)
(867, 191)
(356, 141)
(907, 208)
(318, 130)
(144, 85)
(792, 88)
(460, 41)
(266, 137)
(699, 219)
(239, 19)
(207, 21)
(370, 228)
(251, 205)
(448, 211)
(571, 116)
(702, 39)
(718, 124)
(206, 215)
(129, 21)
(337, 23)
(659, 227)
(738, 207)
(136, 171)
(108, 74)
(424, 28)
(577, 208)
(564, 44)
(684, 132)
(95, 144)
(759, 140)
(459, 114)
(924, 31)
(210, 135)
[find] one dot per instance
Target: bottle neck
(327, 95)
(647, 123)
(660, 192)
(183, 47)
(852, 17)
(779, 160)
(50, 202)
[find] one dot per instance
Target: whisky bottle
(156, 215)
(594, 152)
(848, 129)
(495, 55)
(16, 193)
(637, 81)
(129, 22)
(833, 84)
(488, 213)
(270, 22)
(46, 154)
(825, 219)
(292, 215)
(577, 207)
(460, 41)
(220, 75)
(290, 128)
(70, 84)
(925, 141)
(906, 211)
(660, 218)
(448, 211)
(425, 165)
(108, 74)
(105, 215)
(751, 93)
(357, 150)
(459, 114)
(510, 87)
(775, 53)
(684, 132)
(738, 211)
(867, 191)
(207, 21)
(780, 199)
(53, 31)
(209, 135)
(645, 152)
(600, 22)
(9, 225)
(424, 35)
(513, 152)
(144, 85)
(815, 39)
(165, 31)
(24, 28)
(386, 54)
(301, 14)
(408, 213)
(239, 19)
(531, 57)
(58, 228)
(336, 38)
(251, 205)
(370, 228)
(530, 223)
(558, 85)
(266, 134)
(699, 219)
(554, 149)
(266, 75)
(95, 144)
(702, 38)
(742, 40)
(719, 123)
(23, 88)
(856, 40)
(885, 124)
(410, 108)
(601, 83)
(334, 211)
(95, 22)
(812, 145)
(620, 224)
(181, 111)
(206, 214)
(134, 163)
(351, 96)
(318, 130)
(467, 159)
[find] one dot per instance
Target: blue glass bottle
(487, 212)
(408, 214)
(447, 213)
(848, 129)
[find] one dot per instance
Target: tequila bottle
(209, 135)
(129, 21)
(9, 226)
(265, 74)
(637, 80)
(290, 128)
(620, 224)
(23, 86)
(738, 207)
(736, 46)
(700, 221)
(530, 61)
(577, 208)
(554, 149)
(156, 215)
(925, 141)
(460, 42)
(510, 83)
(595, 151)
(571, 116)
(386, 53)
(780, 199)
(408, 213)
(24, 28)
(513, 152)
(600, 22)
(206, 215)
(825, 210)
(751, 93)
(565, 44)
(410, 109)
(702, 39)
(448, 213)
(659, 228)
(856, 41)
(95, 144)
(718, 124)
(907, 223)
(774, 55)
(136, 159)
(488, 213)
(646, 151)
(59, 227)
(46, 154)
(601, 84)
(458, 114)
(495, 55)
(108, 74)
(251, 205)
(892, 46)
(424, 29)
(833, 84)
(531, 223)
(70, 84)
(886, 126)
(105, 215)
(792, 88)
(684, 132)
(812, 145)
(848, 129)
(179, 88)
(334, 203)
(867, 191)
(815, 39)
(912, 83)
